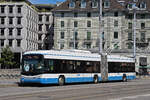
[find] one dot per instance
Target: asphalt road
(131, 90)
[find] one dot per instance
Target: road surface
(132, 90)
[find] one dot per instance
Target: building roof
(27, 1)
(44, 7)
(115, 5)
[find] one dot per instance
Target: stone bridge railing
(9, 73)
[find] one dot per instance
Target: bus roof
(78, 55)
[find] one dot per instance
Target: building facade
(21, 28)
(77, 26)
(45, 26)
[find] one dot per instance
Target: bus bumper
(38, 80)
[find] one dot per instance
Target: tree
(7, 57)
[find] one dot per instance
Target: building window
(39, 47)
(10, 20)
(143, 61)
(130, 16)
(107, 4)
(75, 23)
(76, 35)
(130, 6)
(94, 4)
(103, 23)
(115, 23)
(19, 9)
(40, 37)
(115, 35)
(47, 18)
(47, 27)
(2, 31)
(40, 18)
(142, 16)
(62, 14)
(2, 9)
(129, 36)
(61, 46)
(88, 35)
(71, 44)
(19, 20)
(83, 3)
(116, 14)
(62, 23)
(10, 9)
(2, 20)
(103, 14)
(75, 14)
(103, 36)
(72, 4)
(88, 45)
(135, 0)
(143, 5)
(116, 46)
(88, 14)
(62, 35)
(142, 36)
(10, 42)
(18, 31)
(130, 45)
(10, 31)
(88, 23)
(2, 42)
(142, 25)
(129, 25)
(18, 42)
(40, 27)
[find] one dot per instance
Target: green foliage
(7, 57)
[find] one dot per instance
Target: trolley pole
(103, 62)
(100, 27)
(134, 34)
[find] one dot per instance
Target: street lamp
(100, 28)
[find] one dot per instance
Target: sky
(45, 1)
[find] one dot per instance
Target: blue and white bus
(71, 66)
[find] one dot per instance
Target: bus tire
(95, 79)
(124, 78)
(61, 81)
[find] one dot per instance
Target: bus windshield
(32, 64)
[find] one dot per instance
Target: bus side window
(77, 67)
(49, 65)
(89, 68)
(96, 67)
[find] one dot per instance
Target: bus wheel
(96, 79)
(124, 79)
(61, 80)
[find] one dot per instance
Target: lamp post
(134, 34)
(134, 7)
(100, 28)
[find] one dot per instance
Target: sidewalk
(9, 82)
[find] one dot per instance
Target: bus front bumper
(38, 79)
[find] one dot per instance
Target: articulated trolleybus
(73, 66)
